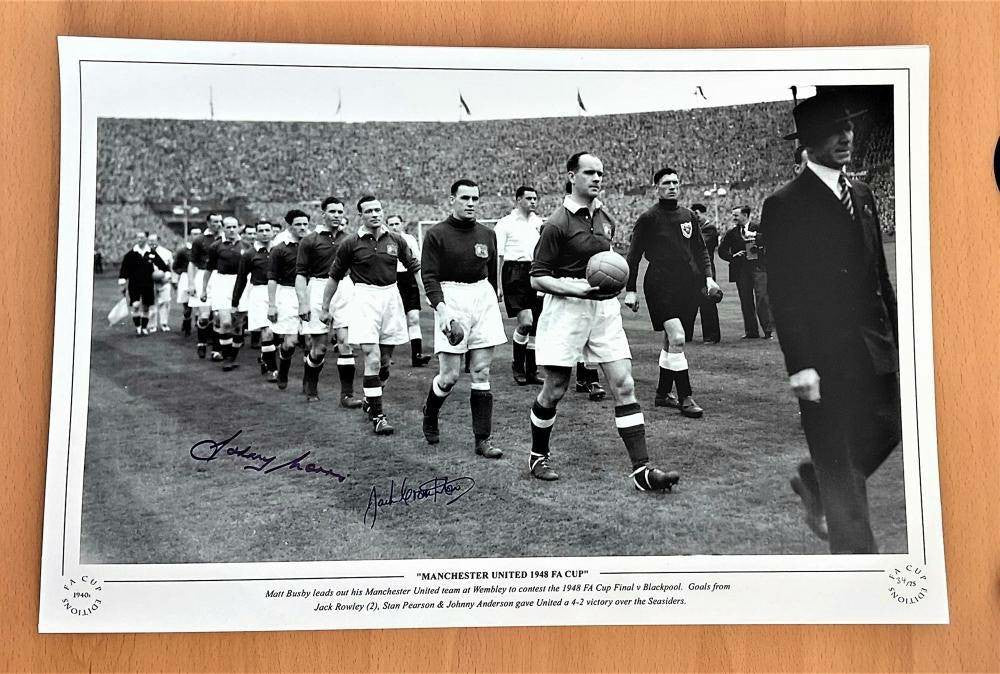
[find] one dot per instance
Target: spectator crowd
(410, 164)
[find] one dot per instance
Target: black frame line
(909, 135)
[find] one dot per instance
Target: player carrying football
(459, 269)
(377, 319)
(677, 279)
(579, 319)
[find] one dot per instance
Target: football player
(459, 268)
(581, 320)
(377, 319)
(678, 279)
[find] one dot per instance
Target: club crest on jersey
(686, 229)
(392, 249)
(482, 251)
(608, 231)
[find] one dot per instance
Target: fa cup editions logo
(482, 250)
(686, 229)
(391, 249)
(82, 595)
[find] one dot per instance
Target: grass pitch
(147, 501)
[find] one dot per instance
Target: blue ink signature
(455, 487)
(209, 450)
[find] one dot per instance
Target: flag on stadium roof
(465, 105)
(340, 100)
(579, 100)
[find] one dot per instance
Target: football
(608, 271)
(715, 294)
(455, 333)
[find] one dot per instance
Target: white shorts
(287, 302)
(475, 307)
(220, 291)
(244, 303)
(194, 294)
(182, 289)
(339, 306)
(377, 316)
(572, 329)
(257, 307)
(163, 292)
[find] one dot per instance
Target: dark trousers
(710, 330)
(851, 431)
(752, 287)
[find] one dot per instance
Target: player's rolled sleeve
(546, 252)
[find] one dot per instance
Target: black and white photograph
(413, 314)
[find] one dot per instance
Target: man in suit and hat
(835, 312)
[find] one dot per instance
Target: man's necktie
(845, 195)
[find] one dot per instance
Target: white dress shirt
(829, 176)
(517, 236)
(411, 241)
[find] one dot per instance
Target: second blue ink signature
(452, 488)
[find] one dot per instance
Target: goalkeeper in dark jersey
(677, 280)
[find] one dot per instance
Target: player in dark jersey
(677, 280)
(196, 279)
(182, 258)
(459, 269)
(282, 303)
(251, 298)
(579, 319)
(316, 254)
(377, 318)
(224, 260)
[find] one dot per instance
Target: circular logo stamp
(908, 584)
(82, 595)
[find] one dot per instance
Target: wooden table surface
(965, 211)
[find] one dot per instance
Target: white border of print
(762, 589)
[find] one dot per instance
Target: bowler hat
(820, 114)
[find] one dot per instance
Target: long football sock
(436, 396)
(373, 395)
(530, 366)
(676, 367)
(632, 428)
(284, 362)
(346, 370)
(666, 381)
(268, 353)
(520, 342)
(542, 420)
(481, 403)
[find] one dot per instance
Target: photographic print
(579, 337)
